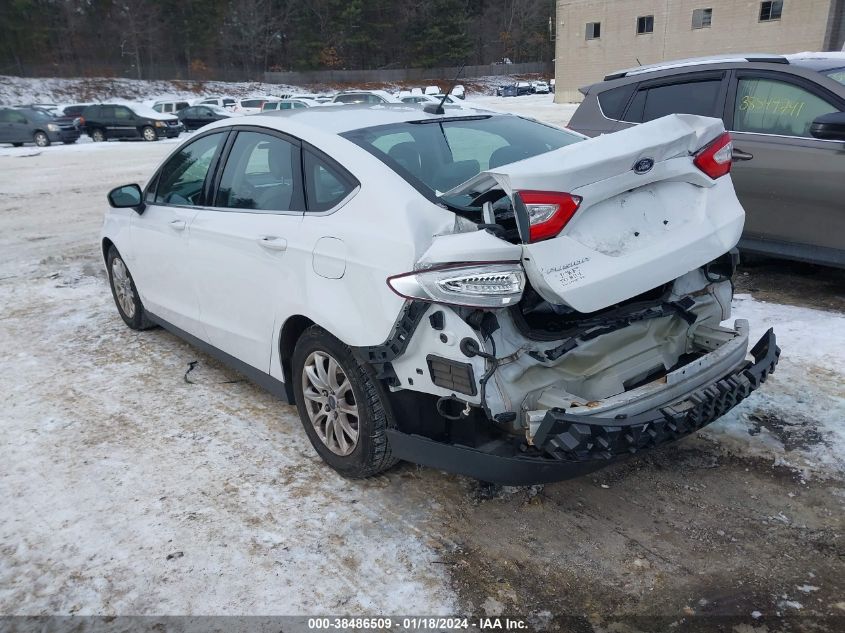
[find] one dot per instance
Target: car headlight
(52, 127)
(479, 286)
(160, 124)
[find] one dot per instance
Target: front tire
(342, 405)
(149, 134)
(125, 294)
(41, 139)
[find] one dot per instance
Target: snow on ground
(797, 418)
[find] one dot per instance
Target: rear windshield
(436, 155)
(837, 74)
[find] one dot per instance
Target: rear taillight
(714, 159)
(493, 285)
(548, 212)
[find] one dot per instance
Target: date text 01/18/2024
(416, 623)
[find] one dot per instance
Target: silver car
(786, 115)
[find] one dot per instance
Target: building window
(645, 24)
(593, 30)
(701, 18)
(771, 10)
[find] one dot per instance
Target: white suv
(477, 292)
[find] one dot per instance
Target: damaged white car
(476, 292)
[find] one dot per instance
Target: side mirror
(830, 127)
(127, 197)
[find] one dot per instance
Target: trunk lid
(635, 229)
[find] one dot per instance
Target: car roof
(697, 61)
(337, 120)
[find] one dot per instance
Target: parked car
(508, 90)
(459, 91)
(288, 104)
(484, 294)
(540, 87)
(364, 96)
(252, 105)
(787, 118)
(431, 90)
(523, 88)
(170, 107)
(127, 121)
(33, 125)
(195, 117)
(224, 102)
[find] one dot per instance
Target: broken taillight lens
(548, 212)
(714, 159)
(494, 285)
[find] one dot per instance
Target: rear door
(160, 261)
(791, 184)
(245, 243)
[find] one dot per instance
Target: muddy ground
(128, 490)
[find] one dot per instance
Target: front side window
(771, 10)
(158, 107)
(702, 18)
(767, 106)
(262, 173)
(181, 179)
(645, 24)
(436, 155)
(593, 30)
(698, 97)
(325, 185)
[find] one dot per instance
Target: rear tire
(342, 405)
(125, 294)
(41, 139)
(149, 134)
(98, 136)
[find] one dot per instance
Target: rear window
(695, 97)
(252, 103)
(436, 155)
(613, 101)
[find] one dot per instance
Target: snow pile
(797, 418)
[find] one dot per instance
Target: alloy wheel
(41, 139)
(330, 403)
(97, 136)
(122, 284)
(149, 134)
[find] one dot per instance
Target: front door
(160, 261)
(244, 247)
(790, 184)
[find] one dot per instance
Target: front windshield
(837, 74)
(436, 155)
(40, 114)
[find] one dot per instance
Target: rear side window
(325, 185)
(252, 103)
(613, 101)
(181, 179)
(262, 173)
(697, 97)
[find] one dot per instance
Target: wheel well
(107, 244)
(291, 331)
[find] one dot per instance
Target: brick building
(595, 37)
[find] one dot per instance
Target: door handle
(177, 225)
(272, 243)
(738, 154)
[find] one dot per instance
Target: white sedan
(472, 291)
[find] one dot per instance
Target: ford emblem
(643, 165)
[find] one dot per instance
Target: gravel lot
(127, 490)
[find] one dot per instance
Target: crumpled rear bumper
(567, 445)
